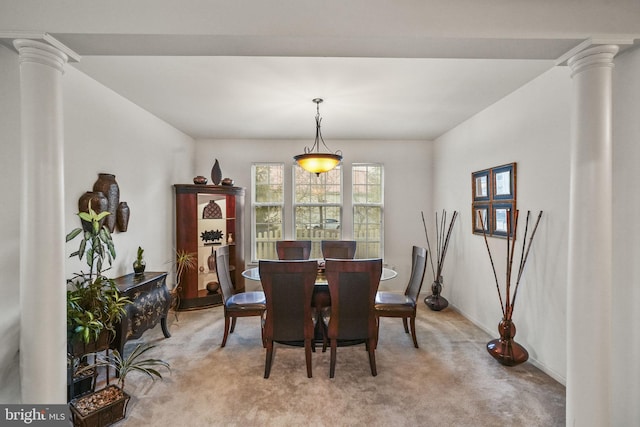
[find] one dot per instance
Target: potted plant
(109, 404)
(184, 261)
(94, 304)
(139, 264)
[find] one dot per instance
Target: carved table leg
(165, 328)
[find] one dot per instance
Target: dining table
(321, 297)
(321, 280)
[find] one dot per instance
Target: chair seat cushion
(393, 301)
(247, 300)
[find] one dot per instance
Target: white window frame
(269, 254)
(366, 239)
(317, 234)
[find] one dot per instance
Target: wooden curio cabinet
(207, 217)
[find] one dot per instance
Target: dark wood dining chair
(243, 304)
(293, 249)
(338, 249)
(392, 304)
(353, 285)
(288, 287)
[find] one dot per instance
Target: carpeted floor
(450, 380)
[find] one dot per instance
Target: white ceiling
(250, 68)
(271, 97)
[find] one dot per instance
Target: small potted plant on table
(139, 264)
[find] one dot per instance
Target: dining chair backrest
(338, 249)
(288, 288)
(222, 269)
(352, 285)
(418, 267)
(293, 249)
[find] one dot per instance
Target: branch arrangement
(507, 305)
(442, 241)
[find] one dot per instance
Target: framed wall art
(493, 200)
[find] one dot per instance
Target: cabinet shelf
(208, 212)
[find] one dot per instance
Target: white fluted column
(42, 278)
(590, 240)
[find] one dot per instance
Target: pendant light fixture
(315, 161)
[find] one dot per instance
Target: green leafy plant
(139, 257)
(183, 261)
(93, 301)
(131, 363)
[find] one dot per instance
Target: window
(368, 202)
(317, 207)
(267, 209)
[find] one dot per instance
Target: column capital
(596, 56)
(41, 53)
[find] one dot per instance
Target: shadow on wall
(10, 357)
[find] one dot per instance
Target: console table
(150, 304)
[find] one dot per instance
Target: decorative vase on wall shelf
(98, 202)
(122, 216)
(107, 184)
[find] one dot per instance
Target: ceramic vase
(435, 301)
(504, 349)
(211, 260)
(122, 216)
(216, 173)
(98, 203)
(107, 184)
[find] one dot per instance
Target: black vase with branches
(435, 301)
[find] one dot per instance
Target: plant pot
(81, 384)
(78, 348)
(138, 267)
(100, 408)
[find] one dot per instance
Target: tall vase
(435, 301)
(107, 184)
(98, 202)
(216, 173)
(211, 260)
(504, 349)
(122, 216)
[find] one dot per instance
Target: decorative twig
(486, 242)
(446, 241)
(442, 241)
(521, 269)
(428, 245)
(511, 235)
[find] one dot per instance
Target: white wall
(106, 133)
(103, 133)
(408, 185)
(529, 127)
(626, 239)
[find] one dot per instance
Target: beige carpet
(450, 381)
